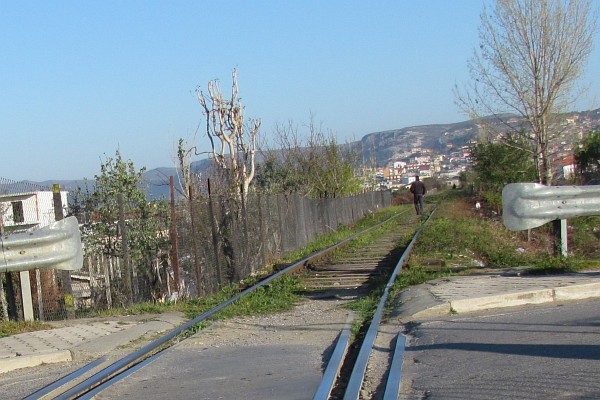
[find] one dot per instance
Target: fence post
(125, 246)
(106, 265)
(244, 262)
(3, 302)
(64, 275)
(281, 248)
(38, 284)
(12, 299)
(174, 238)
(197, 266)
(262, 233)
(215, 239)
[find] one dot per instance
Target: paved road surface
(544, 352)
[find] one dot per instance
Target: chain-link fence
(160, 253)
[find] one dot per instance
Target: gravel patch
(309, 322)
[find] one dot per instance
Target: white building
(30, 210)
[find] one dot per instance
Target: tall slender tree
(531, 54)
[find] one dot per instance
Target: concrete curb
(577, 292)
(507, 300)
(502, 300)
(12, 363)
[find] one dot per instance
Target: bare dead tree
(233, 142)
(184, 160)
(530, 56)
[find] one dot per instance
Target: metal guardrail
(529, 205)
(55, 246)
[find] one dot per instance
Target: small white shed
(21, 211)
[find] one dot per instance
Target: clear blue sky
(81, 79)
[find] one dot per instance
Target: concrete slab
(32, 360)
(81, 339)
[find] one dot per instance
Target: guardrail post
(561, 239)
(26, 296)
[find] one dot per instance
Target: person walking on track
(418, 189)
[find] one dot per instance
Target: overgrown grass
(461, 238)
(585, 236)
(366, 306)
(8, 328)
(343, 232)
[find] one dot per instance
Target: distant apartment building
(30, 210)
(568, 167)
(391, 173)
(399, 164)
(425, 170)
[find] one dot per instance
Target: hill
(381, 149)
(443, 139)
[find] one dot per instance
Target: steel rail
(392, 387)
(131, 360)
(360, 366)
(65, 379)
(334, 365)
(106, 384)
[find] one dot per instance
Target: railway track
(357, 268)
(349, 274)
(381, 260)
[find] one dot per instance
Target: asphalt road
(545, 352)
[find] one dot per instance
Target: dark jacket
(417, 187)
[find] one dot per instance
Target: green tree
(496, 165)
(331, 171)
(144, 221)
(587, 157)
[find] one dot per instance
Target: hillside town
(447, 160)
